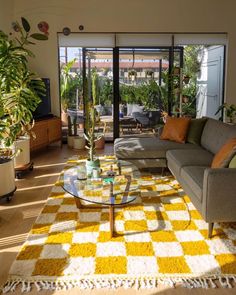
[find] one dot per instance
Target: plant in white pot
(20, 91)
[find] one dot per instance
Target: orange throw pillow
(175, 129)
(225, 154)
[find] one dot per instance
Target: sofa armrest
(219, 194)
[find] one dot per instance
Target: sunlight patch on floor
(47, 175)
(35, 187)
(49, 165)
(12, 240)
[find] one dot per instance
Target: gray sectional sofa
(212, 191)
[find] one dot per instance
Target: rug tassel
(142, 283)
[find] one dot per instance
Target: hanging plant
(132, 74)
(149, 74)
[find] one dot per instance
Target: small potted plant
(230, 111)
(150, 74)
(132, 74)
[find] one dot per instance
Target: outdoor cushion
(193, 175)
(181, 158)
(215, 134)
(225, 154)
(146, 148)
(195, 130)
(176, 129)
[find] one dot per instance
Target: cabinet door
(54, 130)
(41, 131)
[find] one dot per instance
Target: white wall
(6, 15)
(127, 16)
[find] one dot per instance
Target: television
(44, 108)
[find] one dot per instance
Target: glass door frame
(116, 83)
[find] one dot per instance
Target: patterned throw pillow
(176, 129)
(225, 154)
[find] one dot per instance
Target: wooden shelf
(47, 131)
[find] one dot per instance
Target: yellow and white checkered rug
(161, 238)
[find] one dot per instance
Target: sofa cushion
(195, 130)
(146, 148)
(215, 134)
(192, 157)
(193, 175)
(176, 129)
(225, 154)
(232, 163)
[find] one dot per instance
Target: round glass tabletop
(115, 184)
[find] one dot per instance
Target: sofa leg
(162, 171)
(210, 229)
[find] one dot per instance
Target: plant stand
(23, 169)
(9, 195)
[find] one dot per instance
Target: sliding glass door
(98, 71)
(149, 87)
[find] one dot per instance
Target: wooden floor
(17, 217)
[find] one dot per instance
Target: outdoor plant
(20, 89)
(230, 111)
(71, 86)
(132, 74)
(149, 73)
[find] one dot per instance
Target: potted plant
(150, 74)
(230, 111)
(132, 74)
(20, 91)
(90, 135)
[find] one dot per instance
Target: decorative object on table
(162, 239)
(230, 111)
(20, 91)
(81, 172)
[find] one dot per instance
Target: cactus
(90, 121)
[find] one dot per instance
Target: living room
(132, 248)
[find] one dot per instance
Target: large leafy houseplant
(20, 89)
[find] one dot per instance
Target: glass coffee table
(116, 186)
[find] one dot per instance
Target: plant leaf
(38, 36)
(25, 24)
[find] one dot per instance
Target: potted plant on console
(20, 91)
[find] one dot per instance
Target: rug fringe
(143, 283)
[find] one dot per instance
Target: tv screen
(44, 108)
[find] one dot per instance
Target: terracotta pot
(99, 144)
(185, 99)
